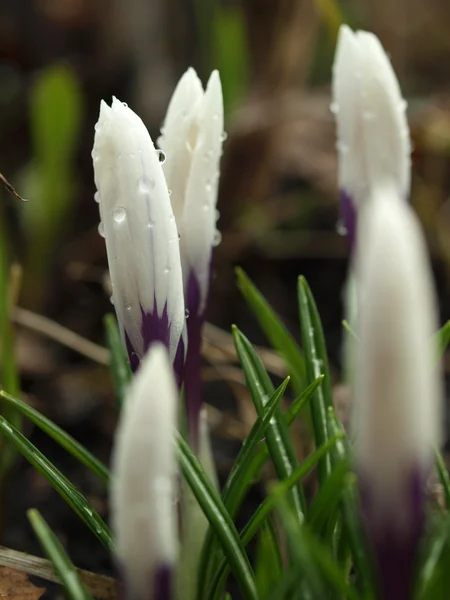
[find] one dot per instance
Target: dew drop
(217, 215)
(170, 192)
(125, 104)
(215, 116)
(167, 270)
(205, 207)
(111, 300)
(208, 154)
(334, 108)
(342, 147)
(208, 185)
(217, 238)
(101, 229)
(223, 136)
(151, 224)
(146, 185)
(186, 313)
(161, 156)
(171, 218)
(97, 197)
(403, 105)
(341, 229)
(128, 307)
(119, 214)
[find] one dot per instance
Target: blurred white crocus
(144, 482)
(372, 131)
(192, 138)
(141, 235)
(398, 400)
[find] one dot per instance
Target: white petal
(398, 403)
(138, 222)
(178, 136)
(199, 216)
(144, 471)
(372, 130)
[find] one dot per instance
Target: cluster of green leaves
(308, 546)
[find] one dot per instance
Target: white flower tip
(144, 472)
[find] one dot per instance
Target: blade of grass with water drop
(62, 438)
(59, 482)
(58, 557)
(275, 331)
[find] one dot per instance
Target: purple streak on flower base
(348, 215)
(395, 548)
(192, 380)
(163, 584)
(156, 328)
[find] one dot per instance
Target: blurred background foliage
(278, 192)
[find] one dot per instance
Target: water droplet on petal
(215, 116)
(334, 108)
(151, 224)
(217, 215)
(342, 147)
(167, 270)
(403, 105)
(111, 300)
(128, 307)
(208, 185)
(217, 238)
(171, 218)
(170, 192)
(146, 185)
(161, 156)
(101, 229)
(341, 229)
(119, 214)
(186, 313)
(206, 207)
(97, 197)
(223, 136)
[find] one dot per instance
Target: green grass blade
(58, 557)
(275, 331)
(434, 577)
(219, 518)
(59, 482)
(278, 439)
(267, 506)
(443, 476)
(316, 364)
(66, 441)
(268, 564)
(442, 339)
(239, 480)
(120, 367)
(350, 511)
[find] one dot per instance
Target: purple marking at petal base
(192, 380)
(395, 549)
(348, 214)
(156, 328)
(163, 584)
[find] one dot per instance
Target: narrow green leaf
(315, 564)
(247, 467)
(442, 339)
(58, 557)
(316, 364)
(443, 476)
(268, 565)
(278, 439)
(219, 518)
(66, 441)
(275, 331)
(433, 577)
(327, 498)
(59, 482)
(267, 506)
(120, 367)
(350, 511)
(238, 476)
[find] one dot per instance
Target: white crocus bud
(398, 399)
(144, 481)
(140, 233)
(192, 138)
(372, 130)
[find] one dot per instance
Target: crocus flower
(398, 405)
(144, 483)
(372, 131)
(141, 235)
(192, 138)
